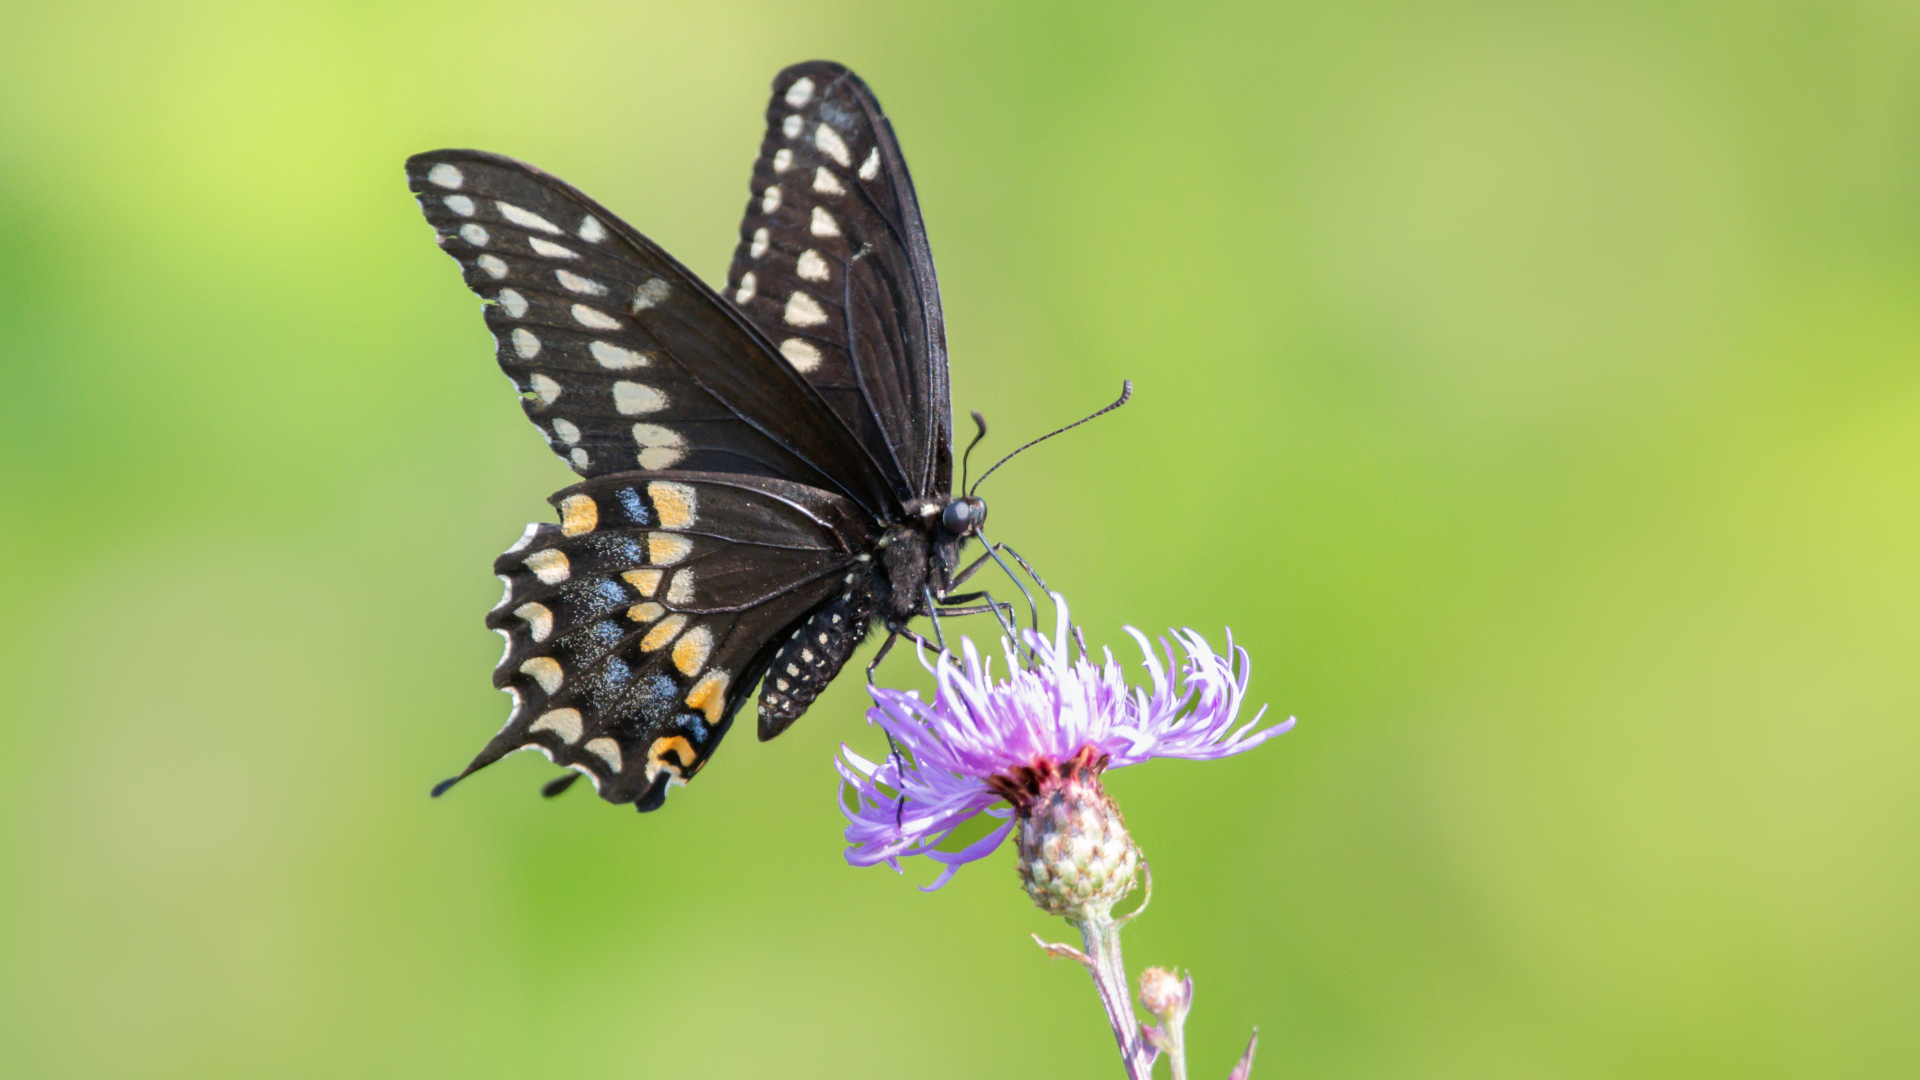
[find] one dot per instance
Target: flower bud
(1166, 995)
(1075, 855)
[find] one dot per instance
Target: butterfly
(766, 474)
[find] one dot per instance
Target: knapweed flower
(1036, 739)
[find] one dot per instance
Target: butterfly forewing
(623, 358)
(637, 626)
(833, 266)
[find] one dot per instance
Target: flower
(984, 739)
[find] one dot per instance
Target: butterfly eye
(962, 516)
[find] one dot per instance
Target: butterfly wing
(833, 266)
(638, 625)
(624, 359)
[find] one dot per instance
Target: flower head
(984, 739)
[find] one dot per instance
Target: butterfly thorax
(923, 552)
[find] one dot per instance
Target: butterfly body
(766, 470)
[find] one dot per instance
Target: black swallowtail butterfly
(764, 474)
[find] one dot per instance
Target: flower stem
(1173, 1043)
(1102, 937)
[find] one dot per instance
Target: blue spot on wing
(622, 550)
(658, 696)
(636, 508)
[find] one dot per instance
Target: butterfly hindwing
(637, 626)
(623, 358)
(834, 267)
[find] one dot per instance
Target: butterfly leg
(933, 615)
(966, 604)
(972, 569)
(893, 748)
(1024, 565)
(879, 655)
(993, 553)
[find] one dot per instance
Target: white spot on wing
(823, 223)
(802, 354)
(829, 142)
(637, 399)
(790, 127)
(474, 234)
(811, 266)
(526, 219)
(493, 265)
(549, 566)
(870, 168)
(804, 310)
(782, 160)
(826, 183)
(550, 249)
(594, 319)
(680, 591)
(747, 285)
(446, 176)
(459, 204)
(591, 230)
(566, 431)
(562, 722)
(606, 750)
(800, 92)
(513, 302)
(546, 388)
(616, 358)
(761, 240)
(576, 283)
(660, 447)
(650, 293)
(579, 457)
(538, 619)
(770, 199)
(545, 671)
(525, 344)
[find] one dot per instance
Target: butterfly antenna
(981, 423)
(1126, 392)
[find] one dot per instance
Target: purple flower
(981, 739)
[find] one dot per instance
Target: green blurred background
(1532, 388)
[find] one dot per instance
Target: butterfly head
(963, 517)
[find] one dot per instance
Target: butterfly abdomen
(810, 659)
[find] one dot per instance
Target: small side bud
(1166, 995)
